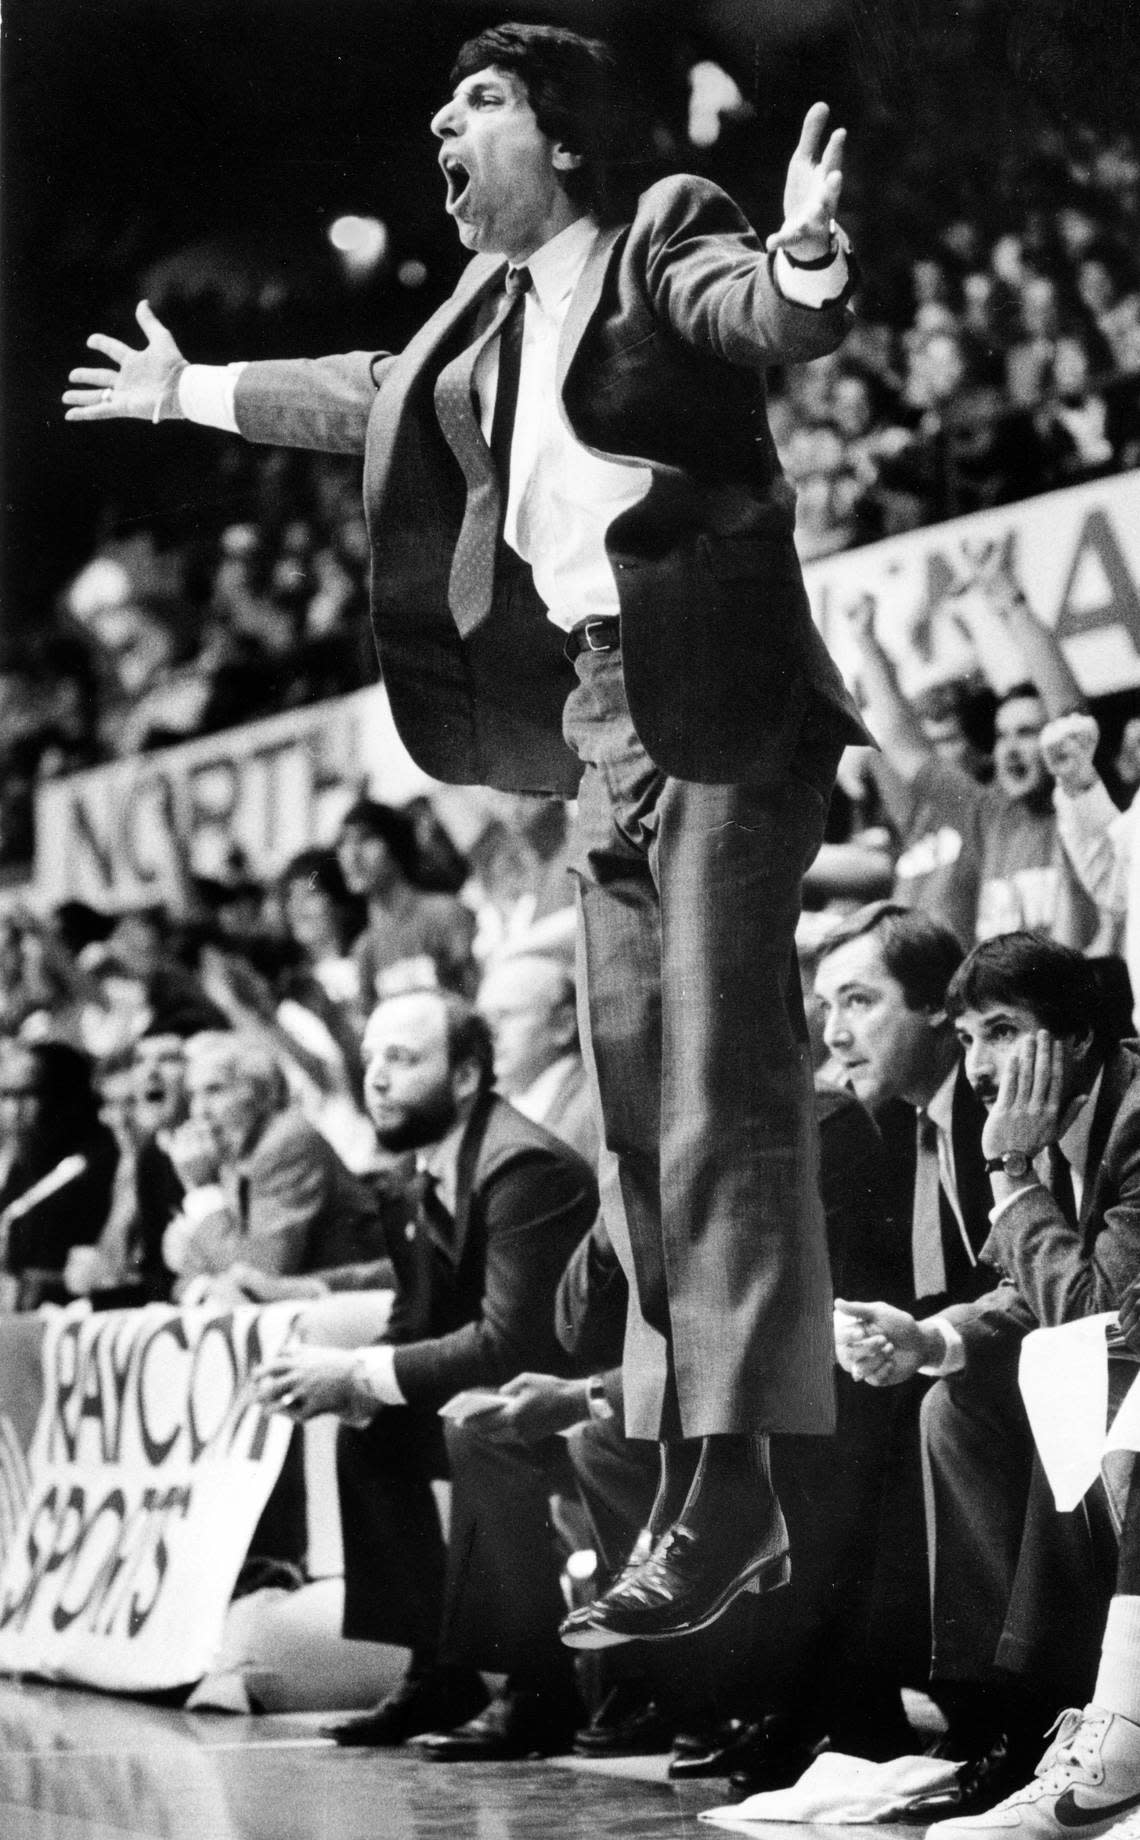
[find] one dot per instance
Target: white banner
(150, 1467)
(279, 786)
(271, 788)
(1076, 553)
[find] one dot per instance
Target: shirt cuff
(206, 394)
(814, 287)
(1007, 1201)
(376, 1372)
(954, 1349)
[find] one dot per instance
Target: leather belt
(600, 635)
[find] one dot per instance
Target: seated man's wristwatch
(1016, 1164)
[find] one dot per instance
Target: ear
(563, 160)
(465, 1081)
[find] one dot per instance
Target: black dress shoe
(688, 1581)
(717, 1756)
(775, 1757)
(628, 1723)
(514, 1725)
(422, 1702)
(579, 1629)
(983, 1781)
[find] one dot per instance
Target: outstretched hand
(812, 188)
(140, 383)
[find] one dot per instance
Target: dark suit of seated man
(477, 1261)
(1016, 1607)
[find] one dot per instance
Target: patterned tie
(485, 468)
(927, 1250)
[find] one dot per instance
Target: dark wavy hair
(1057, 985)
(581, 97)
(919, 952)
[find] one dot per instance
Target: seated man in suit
(501, 1206)
(1015, 1601)
(263, 1187)
(126, 1265)
(530, 1005)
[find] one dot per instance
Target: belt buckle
(590, 626)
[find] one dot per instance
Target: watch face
(1016, 1163)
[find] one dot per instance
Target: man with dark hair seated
(496, 1209)
(1016, 1609)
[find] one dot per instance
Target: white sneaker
(1088, 1779)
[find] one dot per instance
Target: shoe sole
(762, 1575)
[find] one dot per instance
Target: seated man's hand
(534, 1406)
(306, 1382)
(194, 1151)
(86, 1270)
(881, 1345)
(257, 1286)
(1026, 1113)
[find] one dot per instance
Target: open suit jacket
(662, 358)
(1055, 1270)
(472, 1313)
(484, 1310)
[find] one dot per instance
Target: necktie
(926, 1226)
(485, 469)
(433, 1217)
(1061, 1183)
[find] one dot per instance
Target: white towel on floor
(846, 1791)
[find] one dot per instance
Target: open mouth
(458, 181)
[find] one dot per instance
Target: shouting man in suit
(584, 582)
(500, 1206)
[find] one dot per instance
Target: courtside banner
(1076, 554)
(148, 1471)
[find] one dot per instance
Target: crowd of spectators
(997, 358)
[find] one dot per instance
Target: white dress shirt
(563, 497)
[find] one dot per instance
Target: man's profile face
(988, 1037)
(409, 1088)
(503, 187)
(884, 1047)
(235, 1108)
(1019, 770)
(365, 860)
(524, 1004)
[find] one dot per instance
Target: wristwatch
(1012, 1163)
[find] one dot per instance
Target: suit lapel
(974, 1195)
(479, 278)
(584, 301)
(470, 1145)
(1119, 1071)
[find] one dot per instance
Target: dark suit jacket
(40, 1240)
(670, 330)
(1054, 1269)
(484, 1311)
